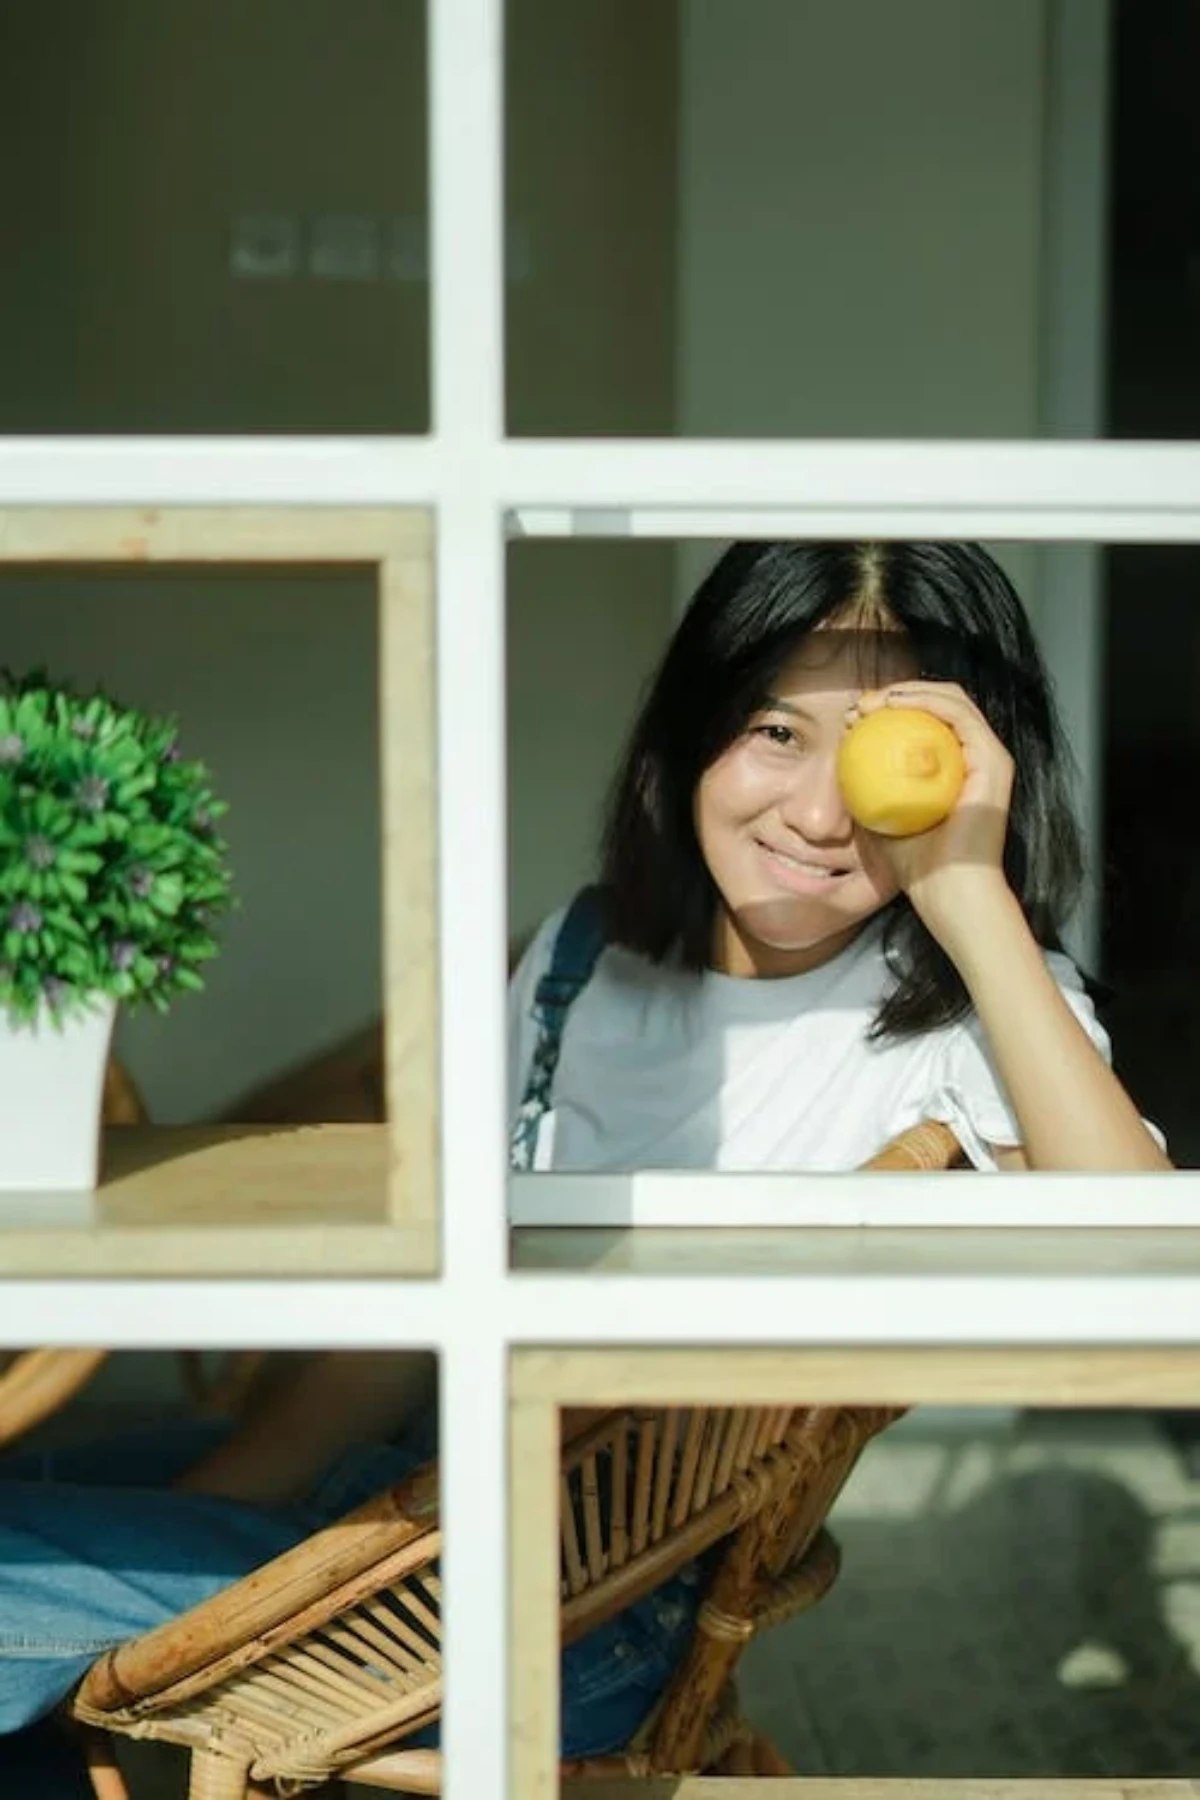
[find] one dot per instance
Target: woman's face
(797, 878)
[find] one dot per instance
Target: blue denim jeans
(95, 1547)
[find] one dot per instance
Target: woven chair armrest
(929, 1146)
(274, 1603)
(808, 1580)
(37, 1383)
(401, 1772)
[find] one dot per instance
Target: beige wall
(136, 132)
(860, 214)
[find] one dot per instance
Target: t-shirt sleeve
(966, 1092)
(521, 988)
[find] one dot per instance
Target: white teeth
(812, 869)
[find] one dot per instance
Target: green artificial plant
(112, 873)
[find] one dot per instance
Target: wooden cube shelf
(332, 1200)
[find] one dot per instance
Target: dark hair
(964, 622)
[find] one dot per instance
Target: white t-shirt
(661, 1069)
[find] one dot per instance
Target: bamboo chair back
(643, 1492)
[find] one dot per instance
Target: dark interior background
(1152, 751)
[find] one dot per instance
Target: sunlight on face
(797, 878)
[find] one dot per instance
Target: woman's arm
(1072, 1111)
(334, 1399)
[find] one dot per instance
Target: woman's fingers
(950, 703)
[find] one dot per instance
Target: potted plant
(112, 876)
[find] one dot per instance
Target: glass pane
(851, 218)
(214, 217)
(592, 208)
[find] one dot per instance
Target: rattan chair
(326, 1660)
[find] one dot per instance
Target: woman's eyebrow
(772, 703)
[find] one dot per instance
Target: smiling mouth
(812, 871)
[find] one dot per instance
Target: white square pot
(51, 1092)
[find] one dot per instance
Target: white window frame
(1044, 1289)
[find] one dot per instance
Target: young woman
(777, 990)
(783, 990)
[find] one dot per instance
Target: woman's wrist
(976, 921)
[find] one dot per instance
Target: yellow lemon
(900, 770)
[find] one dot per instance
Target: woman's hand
(1072, 1111)
(947, 871)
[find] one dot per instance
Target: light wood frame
(541, 1381)
(254, 1200)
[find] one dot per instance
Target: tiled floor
(1019, 1596)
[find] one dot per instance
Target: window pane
(214, 217)
(592, 209)
(874, 218)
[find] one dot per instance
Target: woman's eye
(782, 735)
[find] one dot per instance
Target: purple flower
(92, 793)
(56, 991)
(123, 953)
(165, 965)
(25, 917)
(140, 882)
(40, 853)
(83, 728)
(12, 749)
(171, 753)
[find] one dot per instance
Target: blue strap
(577, 947)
